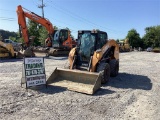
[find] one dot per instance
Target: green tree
(38, 31)
(6, 34)
(152, 36)
(43, 34)
(134, 38)
(117, 40)
(33, 30)
(55, 27)
(13, 38)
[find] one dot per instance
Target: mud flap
(75, 80)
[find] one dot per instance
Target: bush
(157, 50)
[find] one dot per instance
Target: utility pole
(42, 6)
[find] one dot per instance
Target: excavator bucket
(25, 53)
(75, 80)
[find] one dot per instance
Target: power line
(83, 19)
(34, 3)
(7, 19)
(7, 10)
(42, 6)
(65, 27)
(14, 19)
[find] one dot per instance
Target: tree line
(151, 37)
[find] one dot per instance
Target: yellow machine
(91, 63)
(6, 50)
(124, 46)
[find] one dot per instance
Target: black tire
(67, 65)
(114, 67)
(104, 70)
(14, 55)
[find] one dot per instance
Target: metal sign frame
(36, 79)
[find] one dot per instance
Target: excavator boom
(59, 39)
(22, 15)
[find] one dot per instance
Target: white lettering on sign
(34, 65)
(36, 82)
(33, 60)
(34, 71)
(35, 78)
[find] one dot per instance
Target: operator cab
(59, 37)
(88, 43)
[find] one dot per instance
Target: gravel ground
(133, 94)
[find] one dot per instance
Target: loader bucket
(75, 80)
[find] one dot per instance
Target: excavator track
(58, 52)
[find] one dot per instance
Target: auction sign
(33, 72)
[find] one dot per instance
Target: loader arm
(97, 56)
(22, 15)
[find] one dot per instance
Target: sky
(116, 17)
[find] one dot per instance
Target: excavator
(90, 63)
(58, 41)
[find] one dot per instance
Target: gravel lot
(133, 94)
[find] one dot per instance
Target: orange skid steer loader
(91, 63)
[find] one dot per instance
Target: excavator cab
(61, 43)
(59, 37)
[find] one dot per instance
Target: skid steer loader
(91, 63)
(6, 50)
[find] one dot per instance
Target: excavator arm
(22, 15)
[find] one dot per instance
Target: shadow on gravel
(57, 58)
(10, 60)
(102, 91)
(125, 80)
(50, 89)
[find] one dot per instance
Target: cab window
(102, 39)
(63, 35)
